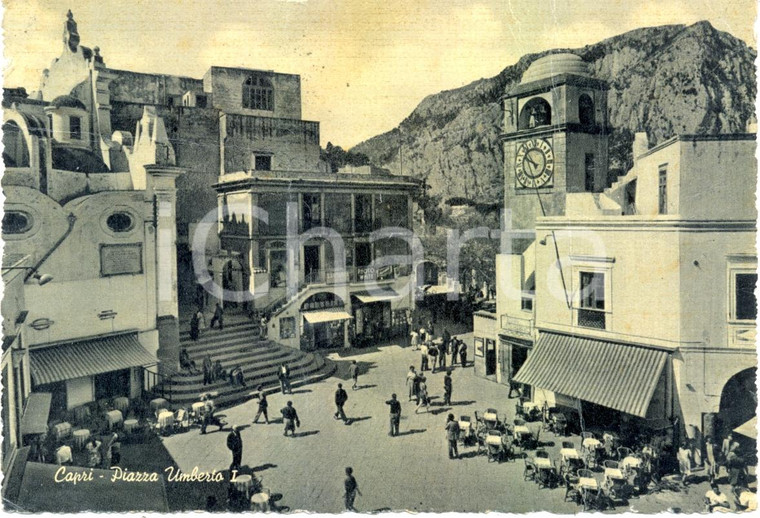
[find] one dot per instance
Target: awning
(439, 289)
(87, 358)
(317, 317)
(614, 375)
(378, 296)
(41, 493)
(35, 418)
(748, 429)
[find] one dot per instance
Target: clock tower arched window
(536, 112)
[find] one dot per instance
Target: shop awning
(35, 418)
(378, 296)
(318, 317)
(748, 429)
(439, 289)
(87, 358)
(614, 375)
(41, 493)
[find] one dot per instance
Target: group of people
(416, 384)
(198, 321)
(212, 371)
(103, 453)
(434, 355)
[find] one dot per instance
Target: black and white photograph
(326, 256)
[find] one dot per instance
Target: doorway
(311, 263)
(490, 357)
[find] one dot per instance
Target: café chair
(530, 470)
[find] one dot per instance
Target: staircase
(240, 345)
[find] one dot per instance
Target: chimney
(640, 144)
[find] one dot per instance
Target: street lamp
(41, 279)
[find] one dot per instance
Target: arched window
(585, 110)
(536, 112)
(258, 93)
(16, 153)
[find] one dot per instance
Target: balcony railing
(357, 274)
(592, 318)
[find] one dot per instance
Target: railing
(591, 318)
(157, 384)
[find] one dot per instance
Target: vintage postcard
(429, 256)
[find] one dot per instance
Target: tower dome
(555, 64)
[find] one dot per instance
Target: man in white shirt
(714, 498)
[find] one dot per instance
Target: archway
(15, 152)
(585, 110)
(738, 400)
(536, 112)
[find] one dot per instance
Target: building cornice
(639, 224)
(541, 131)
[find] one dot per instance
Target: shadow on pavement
(352, 420)
(359, 387)
(412, 432)
(263, 467)
(462, 403)
(306, 434)
(301, 391)
(440, 410)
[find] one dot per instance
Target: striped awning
(377, 296)
(36, 412)
(87, 358)
(614, 375)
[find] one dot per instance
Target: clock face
(534, 163)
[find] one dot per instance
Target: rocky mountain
(663, 80)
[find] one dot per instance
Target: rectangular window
(745, 300)
(663, 190)
(311, 211)
(363, 213)
(363, 254)
(590, 172)
(200, 101)
(262, 162)
(591, 313)
(287, 327)
(75, 128)
(338, 212)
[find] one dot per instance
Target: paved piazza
(411, 471)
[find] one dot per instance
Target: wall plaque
(120, 259)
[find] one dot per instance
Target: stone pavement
(411, 471)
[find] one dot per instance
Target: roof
(555, 64)
(68, 101)
(87, 358)
(79, 160)
(611, 374)
(41, 493)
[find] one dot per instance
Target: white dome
(555, 64)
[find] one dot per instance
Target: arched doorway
(738, 400)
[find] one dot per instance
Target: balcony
(358, 274)
(592, 318)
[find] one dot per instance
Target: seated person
(218, 372)
(745, 499)
(186, 363)
(714, 498)
(236, 376)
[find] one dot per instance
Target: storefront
(375, 319)
(324, 329)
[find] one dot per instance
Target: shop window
(287, 328)
(745, 302)
(258, 94)
(120, 222)
(592, 311)
(17, 222)
(75, 128)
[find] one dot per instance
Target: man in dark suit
(341, 396)
(447, 388)
(235, 445)
(395, 408)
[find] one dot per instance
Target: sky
(364, 64)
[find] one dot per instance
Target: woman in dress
(422, 396)
(93, 453)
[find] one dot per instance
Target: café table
(569, 453)
(197, 407)
(521, 430)
(588, 483)
(242, 483)
(63, 455)
(114, 418)
(490, 416)
(591, 443)
(616, 473)
(121, 403)
(157, 403)
(165, 419)
(80, 437)
(62, 430)
(130, 425)
(465, 428)
(542, 462)
(494, 440)
(260, 502)
(630, 463)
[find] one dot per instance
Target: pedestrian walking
(207, 367)
(423, 357)
(423, 334)
(290, 419)
(284, 377)
(201, 319)
(353, 371)
(263, 404)
(433, 353)
(263, 326)
(218, 317)
(235, 445)
(352, 488)
(422, 396)
(411, 382)
(463, 353)
(341, 396)
(446, 340)
(454, 346)
(194, 327)
(208, 415)
(395, 416)
(710, 462)
(452, 435)
(447, 387)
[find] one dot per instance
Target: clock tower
(555, 138)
